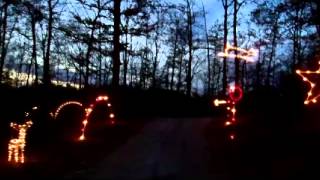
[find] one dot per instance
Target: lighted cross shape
(246, 55)
(312, 96)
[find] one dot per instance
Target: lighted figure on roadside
(16, 146)
(63, 105)
(235, 95)
(312, 97)
(246, 55)
(88, 112)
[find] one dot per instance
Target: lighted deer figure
(16, 146)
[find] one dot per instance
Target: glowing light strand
(235, 95)
(310, 97)
(63, 105)
(246, 55)
(88, 112)
(16, 146)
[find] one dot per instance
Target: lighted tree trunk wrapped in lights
(235, 91)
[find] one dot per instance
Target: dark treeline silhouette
(154, 43)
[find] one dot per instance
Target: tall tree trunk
(180, 72)
(34, 48)
(190, 43)
(155, 64)
(208, 48)
(294, 53)
(87, 63)
(273, 51)
(116, 43)
(46, 63)
(3, 39)
(225, 41)
(235, 41)
(80, 79)
(125, 59)
(155, 61)
(89, 51)
(244, 75)
(174, 59)
(215, 84)
(258, 67)
(100, 66)
(167, 70)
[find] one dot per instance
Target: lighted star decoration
(88, 112)
(243, 54)
(312, 96)
(63, 105)
(235, 95)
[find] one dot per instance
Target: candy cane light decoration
(63, 105)
(246, 55)
(88, 112)
(311, 96)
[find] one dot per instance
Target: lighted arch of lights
(88, 112)
(63, 105)
(16, 146)
(243, 54)
(235, 95)
(311, 97)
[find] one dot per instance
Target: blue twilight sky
(214, 9)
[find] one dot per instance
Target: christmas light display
(235, 95)
(16, 146)
(246, 55)
(232, 136)
(311, 96)
(218, 102)
(55, 115)
(88, 112)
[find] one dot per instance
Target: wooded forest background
(155, 43)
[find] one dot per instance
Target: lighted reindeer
(16, 146)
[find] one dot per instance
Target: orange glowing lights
(16, 146)
(55, 115)
(218, 102)
(246, 55)
(88, 112)
(311, 95)
(111, 115)
(102, 98)
(227, 123)
(235, 95)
